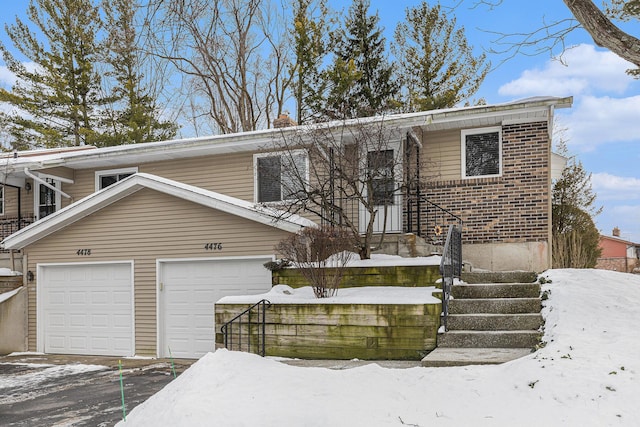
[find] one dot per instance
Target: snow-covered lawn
(586, 375)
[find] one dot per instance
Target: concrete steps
(489, 323)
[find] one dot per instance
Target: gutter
(41, 181)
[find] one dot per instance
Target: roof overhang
(96, 201)
(539, 108)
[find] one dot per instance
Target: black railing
(236, 328)
(429, 220)
(450, 267)
(8, 226)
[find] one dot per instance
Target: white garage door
(188, 292)
(86, 309)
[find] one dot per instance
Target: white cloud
(625, 217)
(595, 121)
(8, 79)
(583, 69)
(612, 187)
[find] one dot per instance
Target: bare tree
(321, 255)
(598, 22)
(231, 54)
(348, 176)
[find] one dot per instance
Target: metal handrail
(415, 206)
(227, 328)
(450, 267)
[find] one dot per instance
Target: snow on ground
(284, 294)
(588, 374)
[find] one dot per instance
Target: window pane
(482, 153)
(269, 179)
(47, 202)
(107, 180)
(294, 175)
(380, 169)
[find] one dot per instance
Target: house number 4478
(83, 252)
(213, 246)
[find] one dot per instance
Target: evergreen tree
(360, 79)
(133, 118)
(54, 102)
(310, 32)
(437, 67)
(574, 234)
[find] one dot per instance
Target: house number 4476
(213, 246)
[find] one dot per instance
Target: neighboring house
(133, 244)
(618, 254)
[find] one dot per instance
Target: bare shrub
(321, 255)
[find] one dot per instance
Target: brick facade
(512, 208)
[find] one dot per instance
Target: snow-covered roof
(136, 182)
(472, 116)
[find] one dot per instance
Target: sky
(602, 127)
(586, 375)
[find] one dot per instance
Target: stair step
(489, 339)
(495, 322)
(500, 277)
(496, 290)
(495, 305)
(472, 356)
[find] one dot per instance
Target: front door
(384, 167)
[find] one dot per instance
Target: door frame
(395, 219)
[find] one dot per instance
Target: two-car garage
(116, 274)
(89, 309)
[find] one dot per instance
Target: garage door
(188, 292)
(86, 309)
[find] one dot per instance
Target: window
(108, 177)
(1, 200)
(380, 170)
(280, 176)
(481, 152)
(47, 199)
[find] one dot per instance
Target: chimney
(616, 231)
(283, 121)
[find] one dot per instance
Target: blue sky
(603, 127)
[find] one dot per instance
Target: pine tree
(360, 79)
(133, 117)
(574, 234)
(310, 32)
(54, 102)
(437, 67)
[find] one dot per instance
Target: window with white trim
(46, 199)
(1, 200)
(106, 178)
(280, 176)
(482, 152)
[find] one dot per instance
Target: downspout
(45, 183)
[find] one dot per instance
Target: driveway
(51, 390)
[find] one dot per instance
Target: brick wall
(513, 207)
(617, 264)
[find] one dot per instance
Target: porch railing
(243, 326)
(450, 267)
(429, 220)
(8, 226)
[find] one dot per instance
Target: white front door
(385, 166)
(188, 290)
(86, 309)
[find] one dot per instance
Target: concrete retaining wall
(13, 322)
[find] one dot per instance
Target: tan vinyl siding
(144, 227)
(442, 155)
(230, 174)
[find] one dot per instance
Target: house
(618, 254)
(131, 245)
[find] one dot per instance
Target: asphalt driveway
(51, 390)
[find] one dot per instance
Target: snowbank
(283, 294)
(586, 375)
